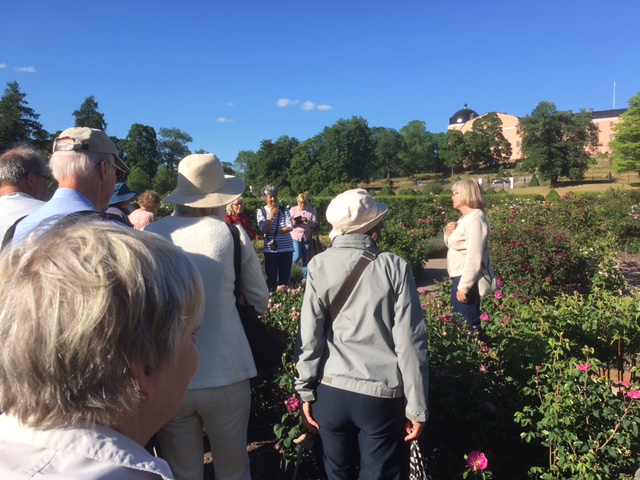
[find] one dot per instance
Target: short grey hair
(269, 190)
(71, 164)
(18, 162)
(186, 211)
(80, 305)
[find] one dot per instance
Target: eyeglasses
(455, 193)
(46, 177)
(120, 173)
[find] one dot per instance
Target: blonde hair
(229, 208)
(79, 306)
(302, 198)
(70, 164)
(149, 200)
(469, 193)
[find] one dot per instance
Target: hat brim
(232, 189)
(365, 227)
(123, 198)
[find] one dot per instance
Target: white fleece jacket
(468, 249)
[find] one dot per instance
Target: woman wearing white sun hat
(219, 395)
(365, 373)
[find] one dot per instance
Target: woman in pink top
(149, 202)
(304, 221)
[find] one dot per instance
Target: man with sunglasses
(24, 182)
(87, 165)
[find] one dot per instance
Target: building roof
(609, 113)
(463, 116)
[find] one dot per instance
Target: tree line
(554, 144)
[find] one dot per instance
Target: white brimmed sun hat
(354, 211)
(203, 184)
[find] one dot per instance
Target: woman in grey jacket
(363, 379)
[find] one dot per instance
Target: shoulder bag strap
(236, 260)
(369, 255)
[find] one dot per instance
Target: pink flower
(293, 405)
(422, 291)
(538, 367)
(477, 461)
(484, 317)
(498, 294)
(281, 288)
(635, 394)
(483, 369)
(499, 282)
(505, 319)
(583, 367)
(624, 384)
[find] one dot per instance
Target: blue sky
(233, 73)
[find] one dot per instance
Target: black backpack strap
(8, 236)
(236, 260)
(368, 256)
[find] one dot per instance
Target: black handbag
(315, 247)
(263, 339)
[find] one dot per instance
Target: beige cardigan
(468, 249)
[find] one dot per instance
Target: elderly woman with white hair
(97, 325)
(363, 373)
(219, 395)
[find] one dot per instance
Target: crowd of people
(118, 327)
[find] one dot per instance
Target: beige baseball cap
(87, 139)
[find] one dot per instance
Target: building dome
(463, 116)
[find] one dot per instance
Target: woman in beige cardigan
(467, 242)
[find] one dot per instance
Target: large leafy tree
(348, 153)
(557, 143)
(140, 149)
(389, 148)
(271, 163)
(243, 159)
(453, 150)
(19, 122)
(626, 144)
(306, 171)
(418, 154)
(172, 146)
(486, 144)
(89, 116)
(165, 181)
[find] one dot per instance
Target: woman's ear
(142, 375)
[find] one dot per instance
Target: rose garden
(552, 388)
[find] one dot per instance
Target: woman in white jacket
(468, 254)
(219, 395)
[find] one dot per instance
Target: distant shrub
(432, 188)
(386, 191)
(500, 173)
(534, 182)
(407, 192)
(552, 196)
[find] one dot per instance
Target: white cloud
(324, 108)
(26, 69)
(285, 102)
(224, 120)
(308, 105)
(231, 104)
(3, 65)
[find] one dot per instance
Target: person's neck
(466, 210)
(89, 189)
(9, 189)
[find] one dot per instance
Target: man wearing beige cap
(86, 164)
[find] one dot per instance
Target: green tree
(140, 149)
(389, 149)
(453, 150)
(172, 146)
(306, 172)
(165, 181)
(557, 143)
(89, 116)
(626, 144)
(19, 122)
(348, 152)
(486, 143)
(418, 154)
(138, 180)
(271, 163)
(242, 160)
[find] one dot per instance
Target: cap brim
(365, 227)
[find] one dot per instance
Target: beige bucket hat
(354, 211)
(203, 184)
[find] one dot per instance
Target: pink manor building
(604, 119)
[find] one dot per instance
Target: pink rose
(484, 317)
(635, 394)
(477, 461)
(498, 294)
(583, 367)
(624, 384)
(293, 405)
